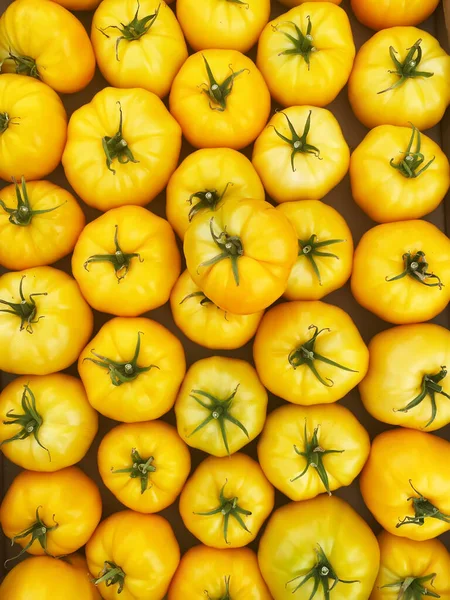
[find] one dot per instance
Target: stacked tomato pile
(254, 269)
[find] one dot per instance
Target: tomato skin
(153, 392)
(391, 13)
(285, 328)
(152, 136)
(402, 558)
(32, 29)
(418, 100)
(78, 4)
(313, 177)
(292, 3)
(379, 255)
(79, 562)
(67, 498)
(244, 481)
(205, 323)
(269, 249)
(147, 282)
(294, 80)
(42, 132)
(211, 24)
(338, 430)
(210, 169)
(312, 217)
(150, 61)
(50, 344)
(221, 377)
(400, 358)
(247, 106)
(69, 423)
(382, 191)
(399, 459)
(171, 460)
(207, 569)
(289, 545)
(148, 554)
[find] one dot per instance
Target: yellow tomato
(220, 99)
(132, 369)
(79, 562)
(325, 250)
(232, 573)
(44, 321)
(228, 24)
(397, 174)
(39, 224)
(401, 76)
(414, 569)
(407, 382)
(241, 257)
(406, 483)
(381, 14)
(138, 44)
(133, 555)
(78, 4)
(221, 406)
(33, 128)
(301, 154)
(47, 423)
(145, 465)
(51, 513)
(401, 271)
(309, 352)
(126, 261)
(121, 148)
(307, 450)
(43, 40)
(204, 179)
(226, 501)
(205, 323)
(298, 2)
(306, 55)
(313, 546)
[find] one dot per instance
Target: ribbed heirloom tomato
(306, 55)
(380, 14)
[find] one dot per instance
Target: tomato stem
(302, 44)
(413, 588)
(140, 467)
(204, 299)
(117, 147)
(411, 160)
(25, 65)
(232, 248)
(135, 28)
(207, 199)
(408, 68)
(23, 214)
(219, 92)
(314, 454)
(38, 531)
(423, 509)
(228, 507)
(122, 372)
(25, 310)
(298, 143)
(416, 267)
(111, 574)
(311, 248)
(321, 573)
(305, 355)
(227, 579)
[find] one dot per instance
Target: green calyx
(238, 2)
(208, 199)
(24, 65)
(423, 509)
(416, 267)
(219, 412)
(413, 588)
(30, 421)
(204, 299)
(430, 387)
(306, 355)
(111, 574)
(120, 260)
(302, 43)
(312, 247)
(135, 28)
(408, 69)
(6, 121)
(412, 159)
(226, 595)
(38, 531)
(321, 573)
(219, 92)
(116, 147)
(313, 453)
(228, 507)
(23, 214)
(298, 143)
(122, 372)
(140, 467)
(26, 310)
(231, 247)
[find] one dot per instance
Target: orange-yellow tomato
(298, 2)
(78, 4)
(381, 14)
